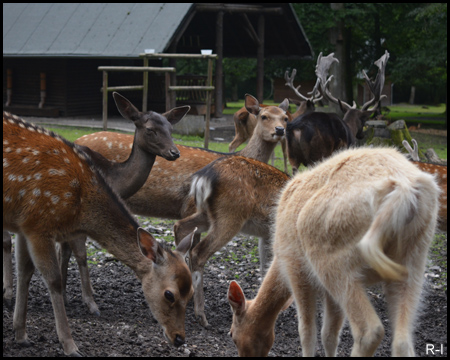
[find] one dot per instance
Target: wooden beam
(236, 8)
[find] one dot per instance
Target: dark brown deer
(152, 138)
(314, 136)
(165, 194)
(53, 191)
(362, 217)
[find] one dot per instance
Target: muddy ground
(126, 327)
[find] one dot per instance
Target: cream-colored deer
(51, 192)
(361, 217)
(165, 194)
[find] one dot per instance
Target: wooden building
(51, 52)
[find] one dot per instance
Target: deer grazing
(316, 135)
(165, 193)
(361, 217)
(440, 171)
(51, 192)
(152, 138)
(232, 195)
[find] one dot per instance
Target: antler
(414, 153)
(322, 68)
(315, 94)
(377, 87)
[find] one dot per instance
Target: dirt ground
(126, 327)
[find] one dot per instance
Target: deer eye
(264, 117)
(151, 132)
(285, 119)
(169, 296)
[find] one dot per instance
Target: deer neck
(258, 149)
(115, 229)
(127, 177)
(271, 298)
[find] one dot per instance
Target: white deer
(363, 216)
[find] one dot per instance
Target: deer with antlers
(315, 136)
(438, 170)
(361, 217)
(152, 138)
(52, 191)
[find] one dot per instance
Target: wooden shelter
(51, 52)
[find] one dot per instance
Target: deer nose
(279, 130)
(178, 341)
(174, 153)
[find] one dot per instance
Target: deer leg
(264, 254)
(333, 320)
(43, 254)
(7, 270)
(305, 297)
(403, 300)
(25, 269)
(221, 232)
(78, 246)
(64, 252)
(367, 329)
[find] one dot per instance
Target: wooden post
(105, 100)
(167, 92)
(208, 102)
(219, 67)
(260, 61)
(145, 84)
(43, 90)
(9, 84)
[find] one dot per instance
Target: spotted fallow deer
(152, 138)
(51, 192)
(232, 195)
(165, 194)
(438, 170)
(361, 217)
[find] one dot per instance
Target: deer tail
(400, 212)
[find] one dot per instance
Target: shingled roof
(125, 30)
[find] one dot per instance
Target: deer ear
(252, 104)
(236, 298)
(150, 248)
(126, 108)
(176, 114)
(186, 244)
(284, 105)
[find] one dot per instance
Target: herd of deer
(362, 216)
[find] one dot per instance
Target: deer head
(271, 120)
(153, 130)
(168, 287)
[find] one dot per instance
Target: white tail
(52, 191)
(361, 217)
